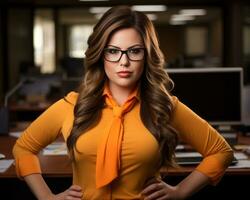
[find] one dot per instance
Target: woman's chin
(126, 84)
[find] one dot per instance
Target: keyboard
(192, 158)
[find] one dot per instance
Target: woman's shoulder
(174, 100)
(71, 97)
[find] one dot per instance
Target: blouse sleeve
(44, 130)
(192, 129)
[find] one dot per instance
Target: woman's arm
(195, 131)
(192, 184)
(203, 138)
(159, 190)
(38, 186)
(42, 192)
(41, 132)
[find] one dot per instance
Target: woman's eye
(112, 51)
(135, 51)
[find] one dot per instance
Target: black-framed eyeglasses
(133, 54)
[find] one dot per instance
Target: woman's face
(124, 69)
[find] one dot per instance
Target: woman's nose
(124, 60)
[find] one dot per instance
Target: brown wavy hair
(155, 87)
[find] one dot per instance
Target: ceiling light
(152, 17)
(182, 17)
(150, 8)
(177, 22)
(98, 10)
(98, 16)
(193, 12)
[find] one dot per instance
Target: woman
(123, 124)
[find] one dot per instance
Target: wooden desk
(52, 166)
(59, 166)
(57, 173)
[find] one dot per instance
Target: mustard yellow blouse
(139, 149)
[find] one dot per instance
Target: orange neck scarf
(109, 149)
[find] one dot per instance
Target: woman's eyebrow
(135, 45)
(110, 45)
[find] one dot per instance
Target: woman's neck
(120, 94)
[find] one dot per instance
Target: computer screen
(74, 67)
(213, 93)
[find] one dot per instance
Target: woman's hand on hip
(74, 192)
(156, 189)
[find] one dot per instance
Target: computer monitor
(213, 93)
(74, 67)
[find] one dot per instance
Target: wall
(171, 40)
(216, 38)
(246, 104)
(20, 41)
(1, 57)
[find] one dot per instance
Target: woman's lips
(124, 74)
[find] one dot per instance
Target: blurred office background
(46, 39)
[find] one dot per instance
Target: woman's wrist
(181, 192)
(192, 184)
(49, 196)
